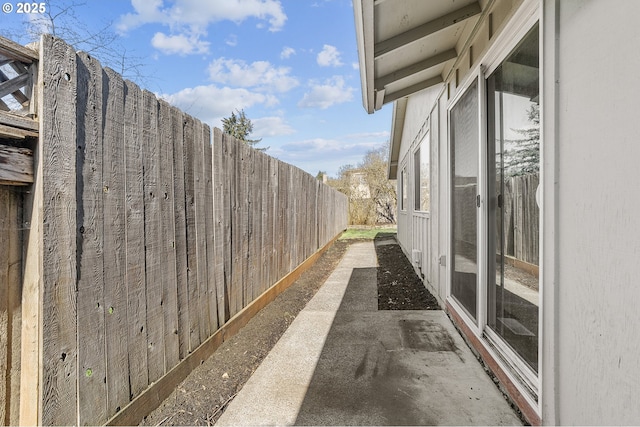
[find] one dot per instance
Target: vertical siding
(414, 227)
(421, 232)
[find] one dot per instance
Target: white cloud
(211, 103)
(232, 40)
(179, 44)
(322, 154)
(369, 135)
(198, 14)
(146, 11)
(261, 75)
(271, 126)
(287, 52)
(329, 57)
(323, 95)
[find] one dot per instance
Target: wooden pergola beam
(13, 85)
(16, 121)
(18, 52)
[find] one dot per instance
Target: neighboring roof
(404, 46)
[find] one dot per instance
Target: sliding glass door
(464, 212)
(513, 165)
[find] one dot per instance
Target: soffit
(407, 45)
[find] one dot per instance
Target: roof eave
(363, 13)
(397, 127)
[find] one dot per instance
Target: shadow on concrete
(396, 368)
(359, 377)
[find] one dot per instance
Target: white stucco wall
(596, 311)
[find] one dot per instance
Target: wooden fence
(521, 218)
(147, 238)
(10, 296)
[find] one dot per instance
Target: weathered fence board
(253, 226)
(169, 301)
(135, 245)
(115, 292)
(59, 330)
(192, 258)
(272, 235)
(201, 231)
(17, 165)
(154, 236)
(235, 280)
(212, 296)
(219, 228)
(521, 218)
(92, 389)
(152, 230)
(226, 154)
(264, 245)
(10, 308)
(242, 283)
(283, 248)
(179, 220)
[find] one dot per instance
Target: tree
(240, 127)
(60, 19)
(522, 156)
(372, 197)
(350, 181)
(381, 189)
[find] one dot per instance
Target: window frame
(424, 146)
(402, 188)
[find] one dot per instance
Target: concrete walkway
(343, 362)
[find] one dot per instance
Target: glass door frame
(516, 367)
(477, 324)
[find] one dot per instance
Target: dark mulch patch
(399, 287)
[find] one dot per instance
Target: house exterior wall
(415, 228)
(428, 111)
(432, 104)
(595, 317)
(590, 239)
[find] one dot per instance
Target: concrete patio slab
(343, 362)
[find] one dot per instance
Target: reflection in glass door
(513, 147)
(464, 212)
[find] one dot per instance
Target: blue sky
(292, 65)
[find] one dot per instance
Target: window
(421, 176)
(403, 189)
